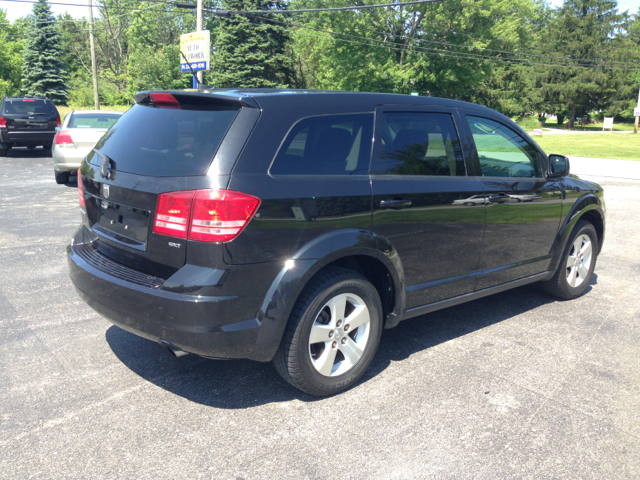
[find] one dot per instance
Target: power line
(225, 13)
(400, 46)
(455, 45)
(133, 10)
(98, 29)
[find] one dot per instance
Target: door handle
(395, 203)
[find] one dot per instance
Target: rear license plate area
(123, 224)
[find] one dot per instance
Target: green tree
(250, 52)
(10, 56)
(43, 71)
(435, 49)
(586, 36)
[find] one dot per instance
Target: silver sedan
(79, 133)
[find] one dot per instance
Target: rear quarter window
(326, 145)
(160, 142)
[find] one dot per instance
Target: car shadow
(236, 384)
(24, 152)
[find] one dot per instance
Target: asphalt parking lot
(517, 385)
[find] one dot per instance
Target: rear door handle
(395, 203)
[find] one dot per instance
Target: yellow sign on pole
(195, 47)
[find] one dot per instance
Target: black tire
(469, 204)
(293, 360)
(62, 178)
(4, 152)
(558, 285)
(31, 147)
(47, 146)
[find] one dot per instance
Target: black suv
(27, 122)
(294, 226)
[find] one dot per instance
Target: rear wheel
(332, 334)
(4, 150)
(577, 263)
(31, 147)
(61, 177)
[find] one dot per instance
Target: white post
(199, 25)
(94, 69)
(635, 125)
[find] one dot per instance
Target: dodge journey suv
(295, 226)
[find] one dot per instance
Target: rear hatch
(178, 142)
(30, 115)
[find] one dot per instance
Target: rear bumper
(20, 139)
(68, 159)
(203, 325)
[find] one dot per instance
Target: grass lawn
(64, 110)
(621, 147)
(529, 123)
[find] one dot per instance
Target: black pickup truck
(27, 122)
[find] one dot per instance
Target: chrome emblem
(105, 190)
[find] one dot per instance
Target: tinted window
(29, 106)
(416, 143)
(93, 120)
(502, 152)
(164, 142)
(326, 145)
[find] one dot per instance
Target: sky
(17, 9)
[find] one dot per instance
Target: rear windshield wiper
(108, 166)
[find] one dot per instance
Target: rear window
(327, 145)
(162, 142)
(29, 106)
(91, 120)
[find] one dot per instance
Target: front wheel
(576, 265)
(332, 334)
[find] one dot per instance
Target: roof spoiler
(200, 98)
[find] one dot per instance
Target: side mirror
(558, 165)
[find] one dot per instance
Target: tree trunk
(560, 119)
(572, 119)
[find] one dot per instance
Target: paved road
(513, 386)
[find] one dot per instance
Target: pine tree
(249, 55)
(583, 33)
(43, 71)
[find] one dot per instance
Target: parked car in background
(27, 122)
(80, 132)
(266, 224)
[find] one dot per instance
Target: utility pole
(94, 70)
(635, 125)
(199, 25)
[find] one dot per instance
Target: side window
(502, 152)
(326, 145)
(417, 143)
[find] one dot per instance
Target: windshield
(93, 120)
(161, 142)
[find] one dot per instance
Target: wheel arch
(588, 207)
(356, 249)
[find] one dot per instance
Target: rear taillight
(63, 139)
(173, 213)
(81, 191)
(58, 121)
(3, 122)
(220, 215)
(205, 215)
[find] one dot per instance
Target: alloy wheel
(339, 334)
(579, 261)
